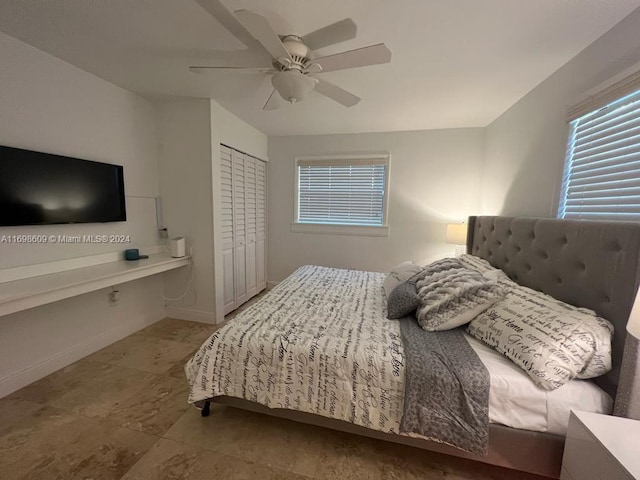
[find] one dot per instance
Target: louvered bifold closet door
(239, 227)
(228, 250)
(261, 224)
(250, 225)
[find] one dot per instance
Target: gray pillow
(398, 275)
(403, 300)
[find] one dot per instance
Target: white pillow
(553, 342)
(399, 274)
(451, 295)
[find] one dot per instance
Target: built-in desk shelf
(39, 290)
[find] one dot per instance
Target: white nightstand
(601, 447)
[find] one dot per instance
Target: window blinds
(342, 192)
(602, 171)
(628, 84)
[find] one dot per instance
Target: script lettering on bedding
(315, 342)
(327, 351)
(552, 341)
(397, 354)
(301, 364)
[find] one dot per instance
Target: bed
(587, 264)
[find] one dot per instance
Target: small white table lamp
(457, 235)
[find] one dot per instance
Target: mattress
(297, 346)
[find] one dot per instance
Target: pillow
(399, 274)
(553, 342)
(404, 299)
(476, 263)
(481, 265)
(451, 295)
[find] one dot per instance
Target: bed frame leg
(205, 409)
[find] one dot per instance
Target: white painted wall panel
(434, 178)
(525, 147)
(48, 105)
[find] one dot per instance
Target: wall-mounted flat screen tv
(43, 189)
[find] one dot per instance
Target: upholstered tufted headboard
(590, 264)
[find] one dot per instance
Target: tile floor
(121, 413)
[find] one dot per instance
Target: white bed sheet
(515, 401)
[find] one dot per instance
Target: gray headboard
(590, 264)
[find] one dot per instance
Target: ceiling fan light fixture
(292, 85)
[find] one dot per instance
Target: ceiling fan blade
(259, 28)
(204, 69)
(336, 93)
(273, 103)
(331, 34)
(226, 18)
(360, 57)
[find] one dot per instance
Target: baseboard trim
(193, 315)
(270, 285)
(43, 368)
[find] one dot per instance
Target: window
(602, 171)
(342, 191)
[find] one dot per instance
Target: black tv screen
(43, 189)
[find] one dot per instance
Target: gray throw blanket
(446, 388)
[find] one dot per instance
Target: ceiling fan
(294, 64)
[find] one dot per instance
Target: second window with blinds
(601, 178)
(345, 194)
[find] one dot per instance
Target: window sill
(321, 228)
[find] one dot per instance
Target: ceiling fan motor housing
(298, 51)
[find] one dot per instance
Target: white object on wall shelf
(601, 447)
(42, 289)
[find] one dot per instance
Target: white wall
(236, 133)
(185, 185)
(525, 147)
(190, 134)
(51, 106)
(434, 179)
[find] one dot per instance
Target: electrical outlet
(114, 296)
(163, 232)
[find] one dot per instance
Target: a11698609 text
(11, 239)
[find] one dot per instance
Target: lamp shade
(292, 85)
(457, 233)
(633, 325)
(628, 395)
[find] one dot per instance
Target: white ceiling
(456, 63)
